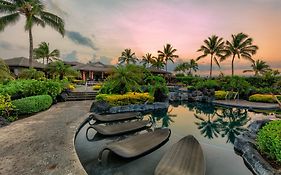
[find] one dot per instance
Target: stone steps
(77, 96)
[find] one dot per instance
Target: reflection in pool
(215, 128)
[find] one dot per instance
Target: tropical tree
(158, 62)
(43, 52)
(214, 46)
(127, 56)
(240, 46)
(259, 67)
(180, 67)
(35, 14)
(209, 127)
(193, 66)
(4, 71)
(147, 59)
(60, 70)
(168, 54)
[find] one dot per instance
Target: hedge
(32, 104)
(269, 140)
(220, 95)
(265, 98)
(125, 99)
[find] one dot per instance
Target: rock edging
(245, 144)
(99, 107)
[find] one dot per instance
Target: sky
(99, 30)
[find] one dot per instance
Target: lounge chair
(185, 157)
(114, 117)
(137, 145)
(121, 128)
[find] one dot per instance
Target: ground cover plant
(268, 140)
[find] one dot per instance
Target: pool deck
(44, 143)
(246, 104)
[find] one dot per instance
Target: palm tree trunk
(211, 66)
(30, 48)
(232, 65)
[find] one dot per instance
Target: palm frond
(54, 21)
(8, 19)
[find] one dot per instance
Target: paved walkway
(246, 104)
(43, 144)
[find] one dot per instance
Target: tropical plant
(34, 12)
(127, 56)
(214, 46)
(32, 74)
(4, 71)
(193, 66)
(59, 69)
(240, 46)
(147, 59)
(168, 54)
(259, 67)
(124, 79)
(158, 62)
(43, 52)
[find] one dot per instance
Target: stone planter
(103, 107)
(245, 145)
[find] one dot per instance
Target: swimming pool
(214, 127)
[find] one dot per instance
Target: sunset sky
(102, 29)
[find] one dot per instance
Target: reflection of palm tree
(164, 115)
(209, 127)
(232, 122)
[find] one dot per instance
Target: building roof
(96, 67)
(158, 71)
(23, 62)
(72, 63)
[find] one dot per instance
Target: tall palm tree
(147, 59)
(193, 66)
(259, 67)
(127, 56)
(33, 11)
(168, 54)
(43, 52)
(158, 62)
(180, 67)
(214, 46)
(240, 46)
(4, 71)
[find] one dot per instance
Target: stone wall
(206, 95)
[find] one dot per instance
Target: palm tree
(240, 46)
(158, 62)
(168, 54)
(259, 67)
(210, 127)
(193, 66)
(180, 68)
(214, 46)
(43, 52)
(4, 71)
(59, 69)
(127, 56)
(147, 59)
(33, 11)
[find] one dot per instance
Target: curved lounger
(115, 117)
(121, 128)
(138, 145)
(185, 157)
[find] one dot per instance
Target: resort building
(17, 64)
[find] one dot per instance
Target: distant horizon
(101, 30)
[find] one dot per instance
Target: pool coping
(246, 104)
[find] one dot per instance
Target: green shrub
(189, 80)
(209, 84)
(269, 140)
(6, 108)
(266, 98)
(222, 95)
(32, 74)
(125, 99)
(26, 88)
(32, 104)
(237, 84)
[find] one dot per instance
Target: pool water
(214, 127)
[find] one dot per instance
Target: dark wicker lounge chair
(185, 157)
(114, 117)
(121, 128)
(138, 145)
